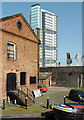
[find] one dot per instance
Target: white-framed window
(11, 51)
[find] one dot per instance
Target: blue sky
(69, 24)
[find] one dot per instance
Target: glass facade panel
(46, 22)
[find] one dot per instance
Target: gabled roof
(17, 15)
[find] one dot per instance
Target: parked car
(42, 88)
(76, 95)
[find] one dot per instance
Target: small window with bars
(11, 51)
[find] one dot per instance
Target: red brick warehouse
(19, 55)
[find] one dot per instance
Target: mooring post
(3, 103)
(64, 99)
(47, 102)
(26, 102)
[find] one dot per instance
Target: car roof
(77, 90)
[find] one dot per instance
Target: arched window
(11, 51)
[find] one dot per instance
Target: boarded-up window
(23, 78)
(32, 79)
(11, 51)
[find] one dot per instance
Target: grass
(81, 88)
(18, 109)
(24, 111)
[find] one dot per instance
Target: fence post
(3, 103)
(47, 102)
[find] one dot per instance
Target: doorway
(49, 82)
(11, 82)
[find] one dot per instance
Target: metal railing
(26, 93)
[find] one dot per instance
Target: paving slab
(22, 115)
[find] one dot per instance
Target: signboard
(36, 93)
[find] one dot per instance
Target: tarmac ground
(37, 111)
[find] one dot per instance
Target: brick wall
(66, 76)
(46, 81)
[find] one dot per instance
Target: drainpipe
(38, 59)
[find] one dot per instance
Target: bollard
(47, 102)
(64, 99)
(3, 103)
(15, 101)
(26, 102)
